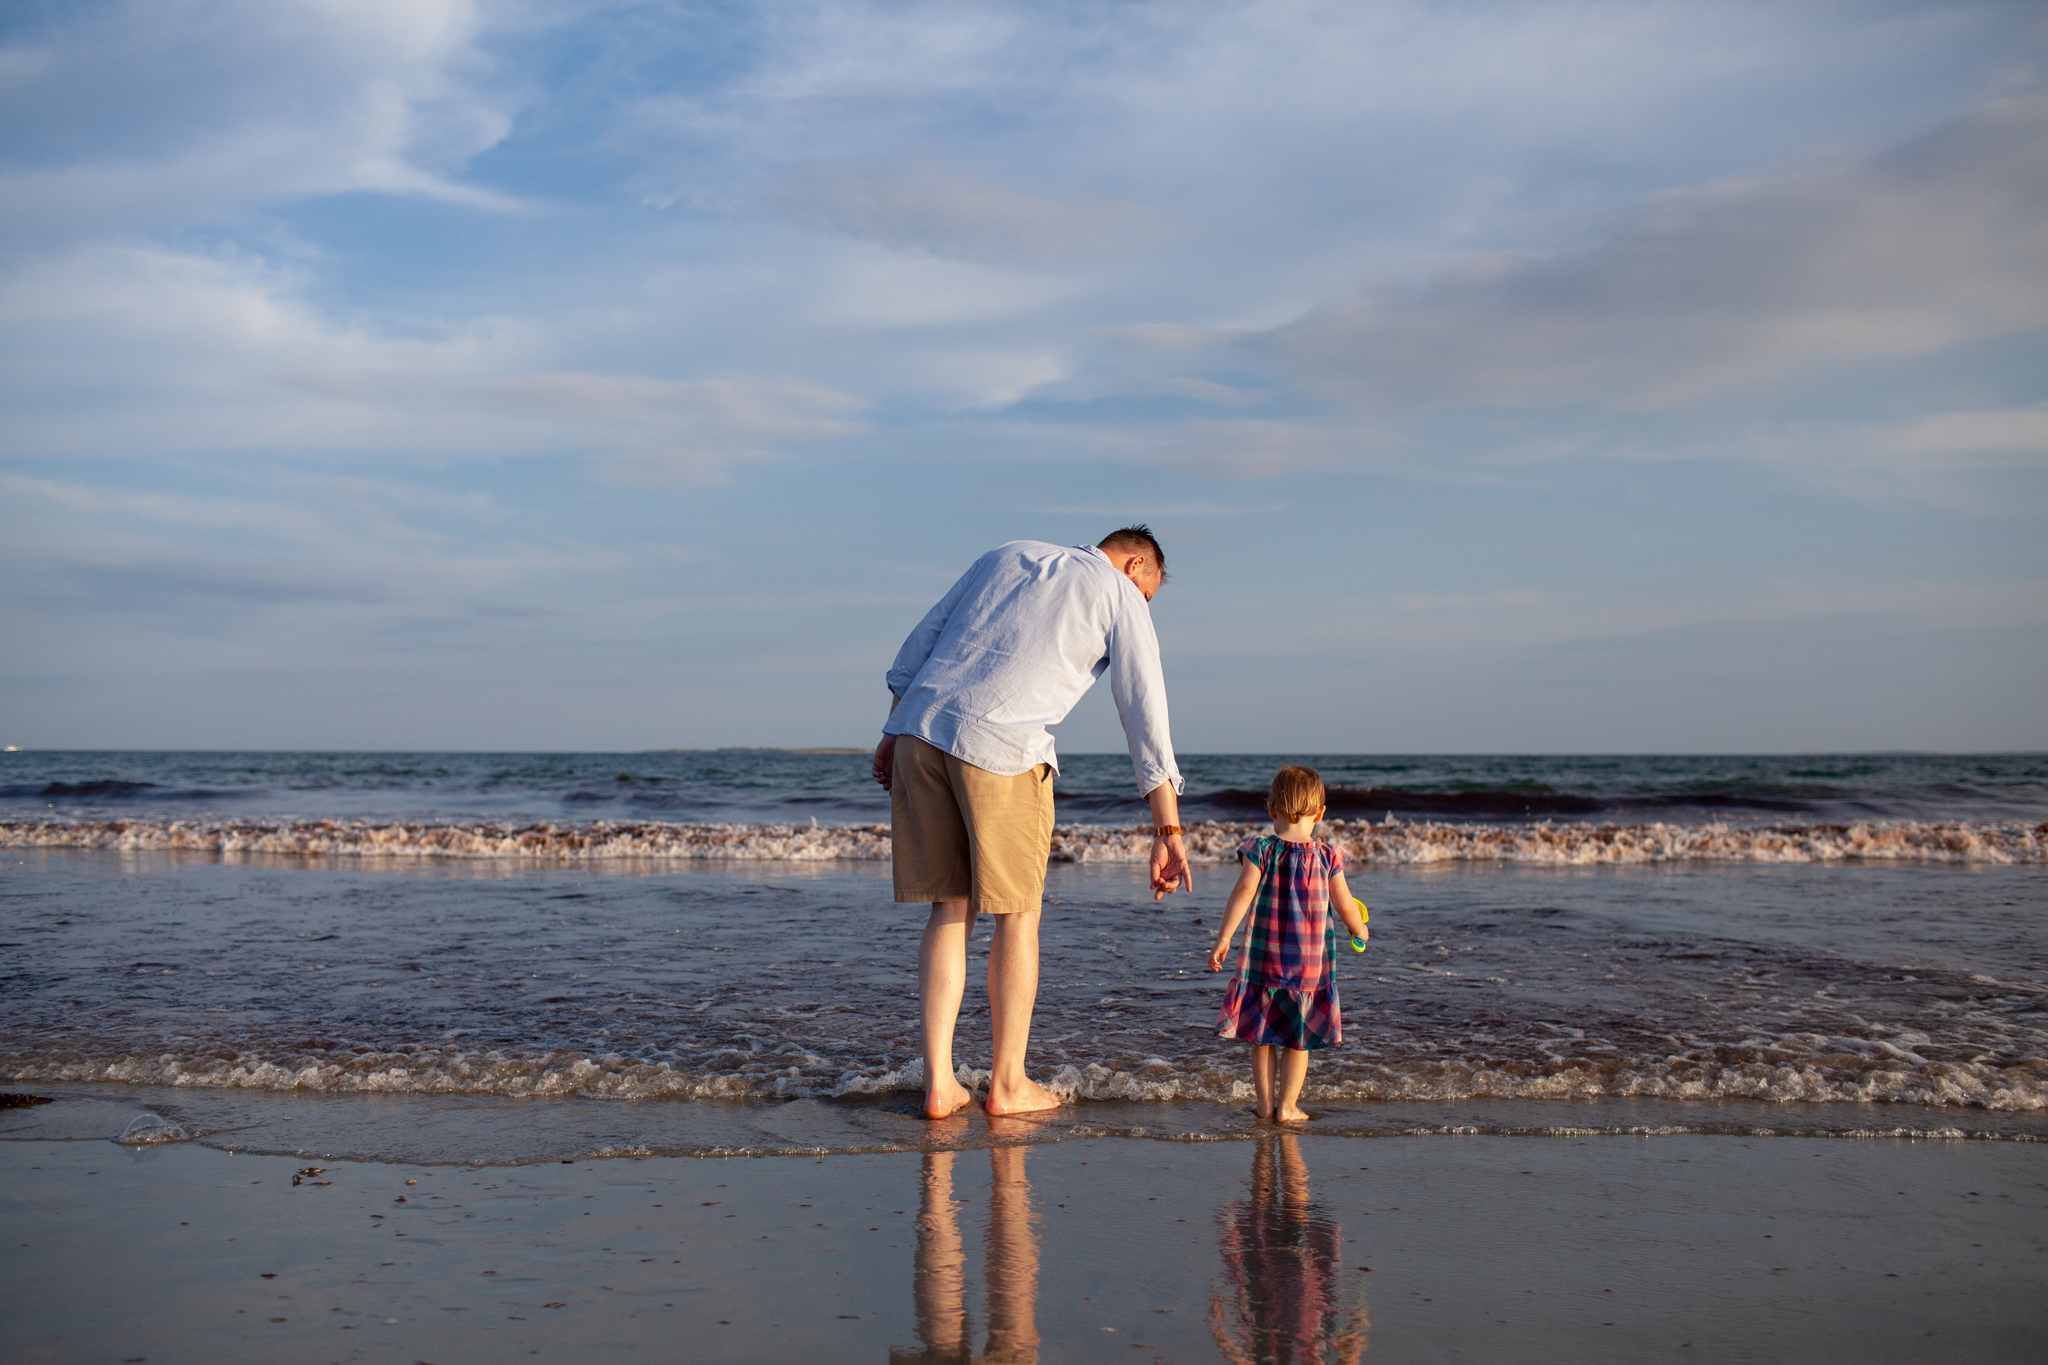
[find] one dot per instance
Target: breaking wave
(1389, 843)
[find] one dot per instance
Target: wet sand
(1272, 1248)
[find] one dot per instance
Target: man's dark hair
(1137, 538)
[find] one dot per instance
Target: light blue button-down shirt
(1014, 644)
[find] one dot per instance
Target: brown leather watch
(1161, 831)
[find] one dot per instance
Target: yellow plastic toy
(1365, 917)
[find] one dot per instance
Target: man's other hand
(885, 762)
(1170, 870)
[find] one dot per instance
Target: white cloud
(1251, 448)
(943, 213)
(192, 109)
(1951, 459)
(1170, 338)
(19, 65)
(1541, 618)
(869, 287)
(1173, 510)
(142, 351)
(383, 546)
(988, 378)
(1940, 243)
(2016, 431)
(1217, 395)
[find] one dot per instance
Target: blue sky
(1499, 377)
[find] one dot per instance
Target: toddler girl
(1284, 1001)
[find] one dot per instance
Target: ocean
(695, 952)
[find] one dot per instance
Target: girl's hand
(1233, 912)
(1345, 907)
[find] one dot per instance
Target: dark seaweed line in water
(1392, 842)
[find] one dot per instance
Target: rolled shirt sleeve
(1138, 684)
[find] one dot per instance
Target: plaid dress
(1285, 994)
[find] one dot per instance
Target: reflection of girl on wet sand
(1010, 1263)
(1281, 1300)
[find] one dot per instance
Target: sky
(610, 375)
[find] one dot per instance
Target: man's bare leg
(1012, 992)
(1011, 1262)
(939, 1287)
(941, 981)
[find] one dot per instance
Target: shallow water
(1751, 997)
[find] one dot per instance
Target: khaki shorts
(963, 833)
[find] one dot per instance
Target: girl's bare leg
(1293, 1183)
(1012, 992)
(1293, 1071)
(941, 981)
(1262, 1078)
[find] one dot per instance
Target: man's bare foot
(1294, 1115)
(944, 1100)
(1027, 1097)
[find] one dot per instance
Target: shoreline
(493, 1130)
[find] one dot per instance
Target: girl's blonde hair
(1296, 793)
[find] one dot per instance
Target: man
(969, 766)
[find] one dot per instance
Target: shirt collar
(1110, 564)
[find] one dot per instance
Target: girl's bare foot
(1025, 1097)
(945, 1099)
(1294, 1115)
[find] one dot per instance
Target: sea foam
(1389, 843)
(1787, 1068)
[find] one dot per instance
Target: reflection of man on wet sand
(1282, 1298)
(969, 766)
(1010, 1260)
